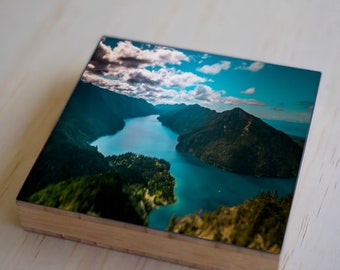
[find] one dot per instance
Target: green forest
(134, 185)
(258, 223)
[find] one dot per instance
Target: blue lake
(198, 185)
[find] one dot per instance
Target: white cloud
(153, 93)
(162, 77)
(126, 69)
(205, 94)
(249, 91)
(129, 64)
(130, 56)
(254, 67)
(201, 94)
(238, 101)
(174, 78)
(215, 68)
(114, 85)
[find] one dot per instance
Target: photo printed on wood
(180, 141)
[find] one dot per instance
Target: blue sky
(162, 74)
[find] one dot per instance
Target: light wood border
(141, 240)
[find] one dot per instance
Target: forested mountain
(235, 141)
(95, 111)
(257, 223)
(91, 112)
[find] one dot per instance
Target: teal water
(198, 185)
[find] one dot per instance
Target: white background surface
(46, 44)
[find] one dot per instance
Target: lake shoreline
(198, 185)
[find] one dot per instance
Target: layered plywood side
(142, 241)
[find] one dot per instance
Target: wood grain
(141, 240)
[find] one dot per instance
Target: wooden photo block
(179, 155)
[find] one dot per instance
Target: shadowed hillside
(235, 141)
(91, 112)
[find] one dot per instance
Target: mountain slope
(257, 223)
(185, 118)
(91, 112)
(242, 143)
(95, 111)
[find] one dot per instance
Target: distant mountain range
(183, 118)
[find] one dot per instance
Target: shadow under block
(142, 241)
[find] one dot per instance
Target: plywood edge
(141, 240)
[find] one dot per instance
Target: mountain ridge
(91, 112)
(186, 118)
(236, 141)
